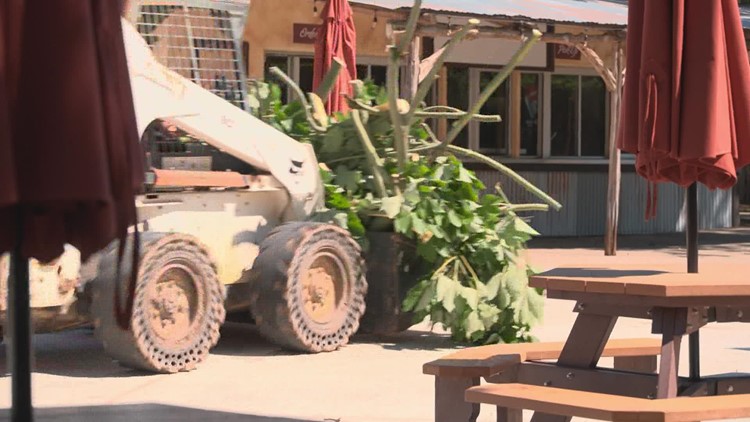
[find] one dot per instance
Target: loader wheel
(309, 287)
(177, 311)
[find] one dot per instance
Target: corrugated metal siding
(604, 12)
(584, 199)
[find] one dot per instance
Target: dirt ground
(372, 380)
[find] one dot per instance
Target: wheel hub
(170, 305)
(321, 290)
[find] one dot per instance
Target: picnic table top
(714, 280)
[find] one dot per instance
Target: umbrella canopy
(70, 161)
(686, 104)
(686, 101)
(337, 38)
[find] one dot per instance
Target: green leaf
(489, 314)
(522, 227)
(454, 218)
(443, 284)
(427, 297)
(402, 223)
(536, 305)
(470, 295)
(473, 324)
(392, 206)
(418, 225)
(338, 201)
(333, 141)
(516, 282)
(413, 296)
(464, 175)
(411, 194)
(354, 223)
(449, 301)
(348, 179)
(493, 286)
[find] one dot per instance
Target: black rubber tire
(142, 346)
(277, 304)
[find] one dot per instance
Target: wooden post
(410, 83)
(514, 120)
(615, 175)
(442, 83)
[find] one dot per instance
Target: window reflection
(458, 96)
(493, 136)
(306, 74)
(593, 116)
(530, 116)
(564, 118)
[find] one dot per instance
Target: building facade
(556, 108)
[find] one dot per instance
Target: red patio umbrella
(686, 102)
(337, 38)
(70, 161)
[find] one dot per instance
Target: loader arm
(160, 93)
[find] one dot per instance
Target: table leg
(672, 329)
(450, 405)
(583, 349)
(509, 415)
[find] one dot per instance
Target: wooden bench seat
(485, 361)
(608, 407)
(465, 368)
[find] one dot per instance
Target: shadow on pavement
(78, 353)
(74, 353)
(143, 412)
(408, 340)
(244, 339)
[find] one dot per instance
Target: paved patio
(372, 380)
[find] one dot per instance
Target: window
(578, 116)
(305, 74)
(531, 118)
(283, 64)
(593, 116)
(493, 137)
(375, 73)
(458, 97)
(301, 69)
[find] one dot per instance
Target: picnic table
(677, 303)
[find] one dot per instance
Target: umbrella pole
(19, 338)
(692, 262)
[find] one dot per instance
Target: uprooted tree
(385, 169)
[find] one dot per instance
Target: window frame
(547, 141)
(475, 75)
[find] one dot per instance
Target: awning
(591, 12)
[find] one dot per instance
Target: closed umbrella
(686, 102)
(70, 162)
(337, 38)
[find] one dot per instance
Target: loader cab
(167, 147)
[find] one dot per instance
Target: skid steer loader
(224, 225)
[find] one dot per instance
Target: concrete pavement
(372, 380)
